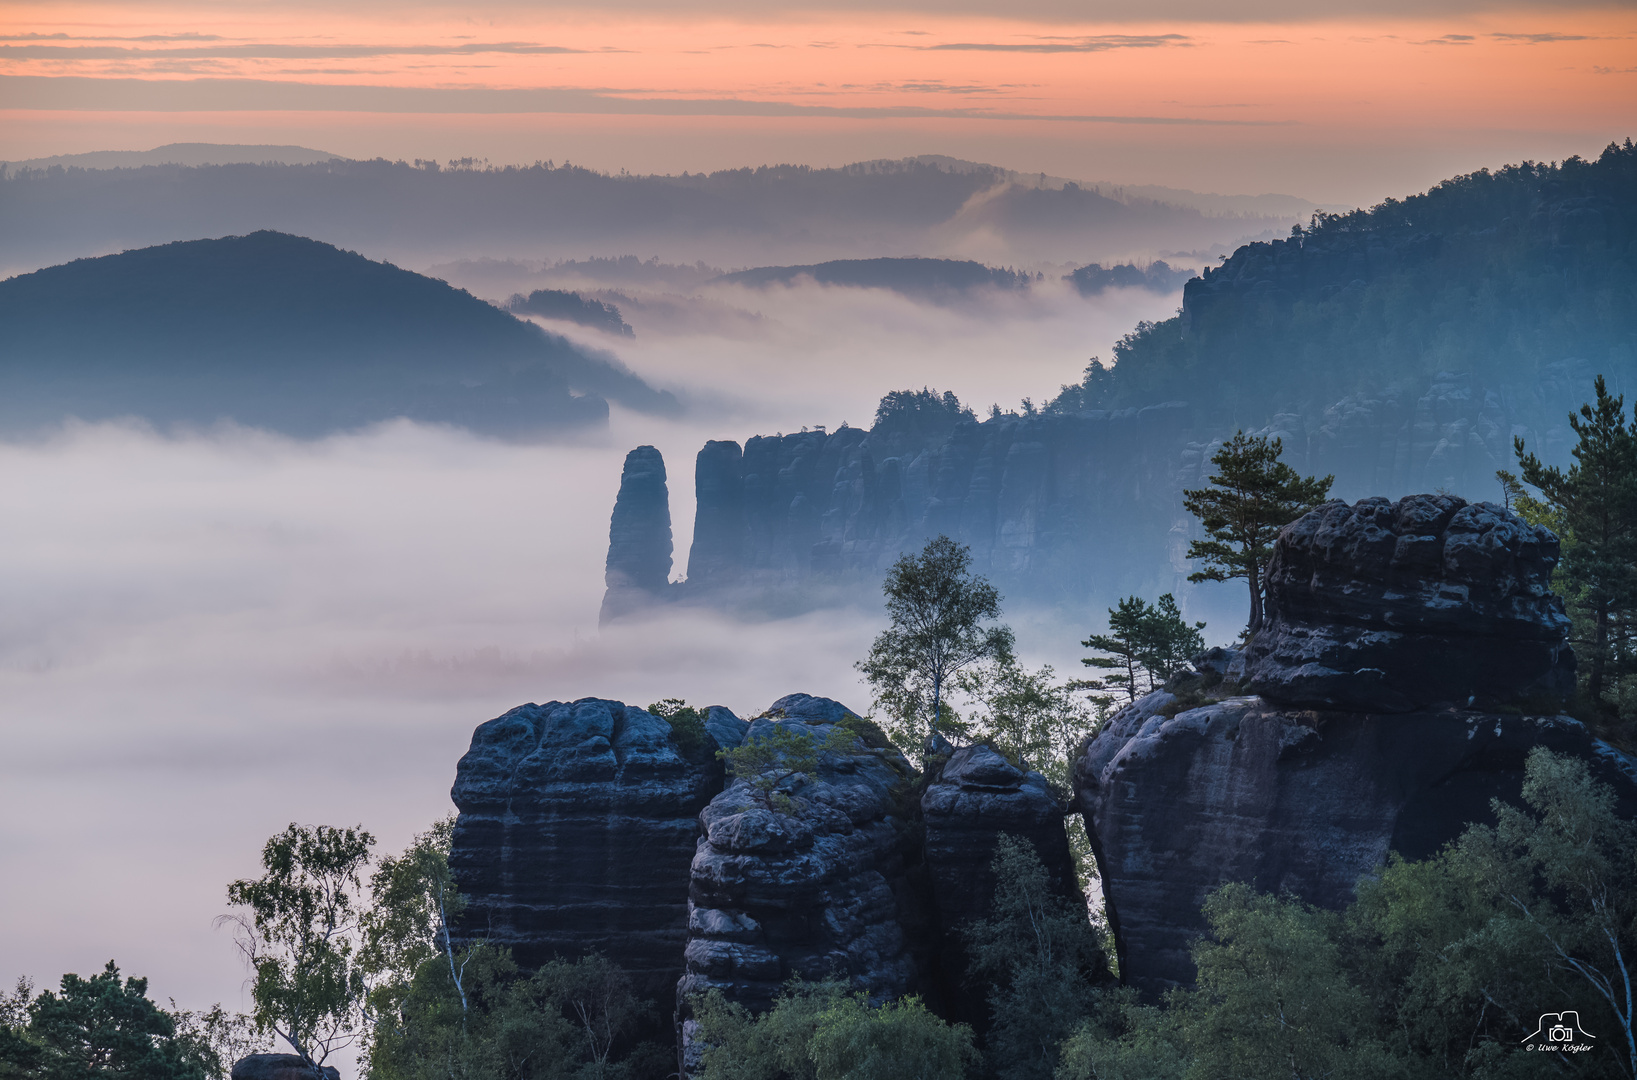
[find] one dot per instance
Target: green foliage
(922, 416)
(897, 1040)
(1595, 502)
(938, 609)
(819, 1031)
(1252, 496)
(788, 757)
(1041, 959)
(566, 1021)
(1146, 644)
(413, 903)
(99, 1029)
(1441, 968)
(687, 724)
(300, 932)
(1029, 718)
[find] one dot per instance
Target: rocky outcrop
(1070, 508)
(576, 831)
(1385, 621)
(813, 879)
(280, 1067)
(1395, 606)
(977, 797)
(639, 537)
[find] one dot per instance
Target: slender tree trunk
(1600, 648)
(1254, 577)
(937, 707)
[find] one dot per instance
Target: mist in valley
(210, 632)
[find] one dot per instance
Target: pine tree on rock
(1596, 502)
(1252, 496)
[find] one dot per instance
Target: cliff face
(1067, 509)
(977, 797)
(639, 536)
(576, 830)
(1385, 621)
(815, 887)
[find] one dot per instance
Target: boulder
(977, 797)
(1397, 606)
(576, 831)
(815, 884)
(280, 1067)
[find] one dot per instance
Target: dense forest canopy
(1497, 274)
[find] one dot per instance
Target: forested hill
(1510, 278)
(290, 333)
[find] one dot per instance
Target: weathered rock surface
(1395, 630)
(1288, 801)
(280, 1067)
(639, 537)
(819, 888)
(977, 797)
(1394, 606)
(576, 831)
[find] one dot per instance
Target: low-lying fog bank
(207, 636)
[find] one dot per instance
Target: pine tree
(1596, 501)
(1253, 495)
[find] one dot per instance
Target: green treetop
(1252, 496)
(1595, 504)
(938, 609)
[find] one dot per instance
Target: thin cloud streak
(274, 52)
(232, 95)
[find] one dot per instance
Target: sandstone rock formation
(1385, 620)
(977, 796)
(639, 537)
(1075, 508)
(576, 830)
(1388, 607)
(815, 887)
(280, 1067)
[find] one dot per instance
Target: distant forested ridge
(921, 278)
(1510, 277)
(289, 333)
(736, 217)
(572, 307)
(1160, 277)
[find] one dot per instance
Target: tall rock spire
(639, 537)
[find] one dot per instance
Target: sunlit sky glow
(1343, 107)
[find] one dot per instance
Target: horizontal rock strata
(576, 831)
(978, 797)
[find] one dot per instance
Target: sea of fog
(207, 635)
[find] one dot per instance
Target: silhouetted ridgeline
(1492, 303)
(1502, 275)
(571, 307)
(735, 217)
(288, 333)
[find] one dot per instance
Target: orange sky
(1337, 107)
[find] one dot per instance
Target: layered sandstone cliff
(1413, 657)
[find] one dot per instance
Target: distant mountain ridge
(189, 154)
(770, 215)
(289, 333)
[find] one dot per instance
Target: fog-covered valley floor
(207, 635)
